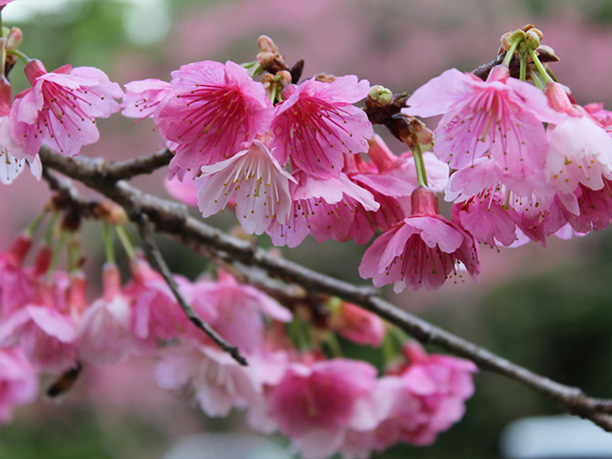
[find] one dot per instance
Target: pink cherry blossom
(61, 107)
(12, 154)
(316, 124)
(18, 285)
(217, 381)
(427, 396)
(45, 335)
(18, 382)
(104, 332)
(580, 153)
(501, 117)
(155, 314)
(487, 219)
(258, 183)
(421, 251)
(316, 404)
(235, 311)
(594, 209)
(143, 98)
(359, 325)
(217, 111)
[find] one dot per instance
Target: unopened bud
(533, 38)
(14, 39)
(381, 95)
(266, 44)
(505, 41)
(424, 135)
(283, 78)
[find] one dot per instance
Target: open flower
(258, 183)
(501, 117)
(143, 98)
(61, 107)
(318, 123)
(421, 251)
(216, 112)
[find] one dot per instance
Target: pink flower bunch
(48, 326)
(226, 133)
(416, 400)
(523, 159)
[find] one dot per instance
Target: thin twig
(175, 221)
(156, 260)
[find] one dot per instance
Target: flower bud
(14, 39)
(533, 39)
(381, 95)
(266, 44)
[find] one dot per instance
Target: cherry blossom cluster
(517, 156)
(326, 405)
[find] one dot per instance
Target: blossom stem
(419, 164)
(388, 349)
(50, 229)
(30, 230)
(56, 253)
(20, 55)
(540, 67)
(334, 345)
(510, 53)
(107, 235)
(126, 241)
(73, 254)
(523, 72)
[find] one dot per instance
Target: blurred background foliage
(549, 309)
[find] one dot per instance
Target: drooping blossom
(217, 111)
(12, 155)
(501, 117)
(428, 396)
(421, 251)
(61, 107)
(217, 381)
(258, 183)
(142, 98)
(317, 123)
(104, 331)
(315, 404)
(18, 285)
(235, 311)
(18, 382)
(43, 331)
(155, 311)
(358, 325)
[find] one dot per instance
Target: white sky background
(145, 21)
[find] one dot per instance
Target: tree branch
(174, 220)
(159, 264)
